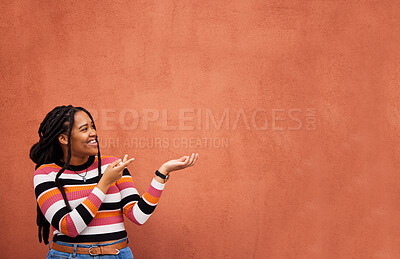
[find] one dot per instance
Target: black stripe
(55, 221)
(110, 206)
(91, 238)
(88, 163)
(44, 187)
(85, 214)
(145, 208)
(126, 172)
(127, 199)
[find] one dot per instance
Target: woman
(84, 195)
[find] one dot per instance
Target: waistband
(94, 249)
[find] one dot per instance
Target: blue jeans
(124, 253)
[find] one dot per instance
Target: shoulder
(45, 173)
(47, 169)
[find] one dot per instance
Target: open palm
(180, 163)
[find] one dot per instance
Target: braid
(60, 120)
(58, 183)
(98, 146)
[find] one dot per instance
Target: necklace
(84, 176)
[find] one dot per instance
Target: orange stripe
(150, 198)
(53, 166)
(125, 179)
(63, 226)
(91, 206)
(128, 207)
(51, 193)
(47, 195)
(107, 214)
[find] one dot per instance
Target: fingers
(115, 163)
(191, 160)
(125, 162)
(195, 157)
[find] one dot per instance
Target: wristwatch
(165, 177)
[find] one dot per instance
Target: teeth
(92, 142)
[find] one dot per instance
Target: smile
(92, 142)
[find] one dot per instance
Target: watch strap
(165, 177)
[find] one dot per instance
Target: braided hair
(48, 150)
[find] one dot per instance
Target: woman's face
(83, 136)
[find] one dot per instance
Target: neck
(77, 160)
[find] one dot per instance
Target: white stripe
(95, 230)
(71, 175)
(157, 185)
(99, 193)
(51, 175)
(53, 209)
(78, 221)
(75, 203)
(41, 178)
(113, 197)
(128, 191)
(139, 215)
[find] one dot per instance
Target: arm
(50, 201)
(138, 209)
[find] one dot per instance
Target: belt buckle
(91, 249)
(90, 252)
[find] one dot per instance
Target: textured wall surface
(292, 106)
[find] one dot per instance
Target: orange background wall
(308, 163)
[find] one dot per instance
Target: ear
(63, 139)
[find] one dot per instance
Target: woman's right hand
(113, 173)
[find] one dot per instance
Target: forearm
(103, 186)
(138, 209)
(68, 222)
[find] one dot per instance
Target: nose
(92, 132)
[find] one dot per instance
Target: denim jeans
(124, 253)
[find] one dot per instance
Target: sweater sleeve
(138, 209)
(51, 203)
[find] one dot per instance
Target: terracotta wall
(292, 106)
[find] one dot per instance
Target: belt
(93, 250)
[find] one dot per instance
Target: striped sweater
(95, 216)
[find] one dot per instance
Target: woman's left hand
(178, 164)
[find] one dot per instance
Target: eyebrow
(84, 125)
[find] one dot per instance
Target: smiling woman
(83, 204)
(83, 139)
